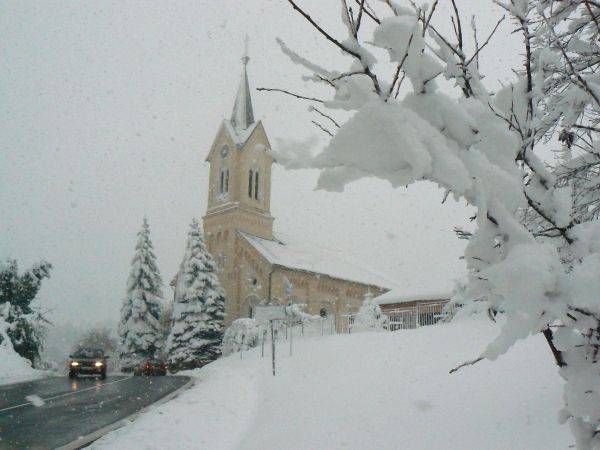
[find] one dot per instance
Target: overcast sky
(108, 110)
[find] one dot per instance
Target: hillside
(370, 390)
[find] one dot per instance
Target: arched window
(250, 184)
(224, 187)
(256, 185)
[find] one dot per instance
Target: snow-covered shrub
(139, 329)
(369, 317)
(25, 326)
(198, 309)
(13, 367)
(241, 335)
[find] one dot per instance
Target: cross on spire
(246, 58)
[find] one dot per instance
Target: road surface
(63, 410)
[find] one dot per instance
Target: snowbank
(14, 368)
(368, 390)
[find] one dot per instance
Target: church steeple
(242, 115)
(239, 188)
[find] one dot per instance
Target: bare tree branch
(290, 93)
(459, 35)
(468, 363)
(323, 32)
(341, 46)
(331, 119)
(558, 357)
(574, 71)
(426, 24)
(594, 18)
(369, 12)
(322, 128)
(585, 127)
(399, 68)
(486, 41)
(360, 13)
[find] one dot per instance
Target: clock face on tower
(224, 151)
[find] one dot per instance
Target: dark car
(88, 361)
(151, 367)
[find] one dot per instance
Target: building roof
(404, 295)
(310, 258)
(239, 136)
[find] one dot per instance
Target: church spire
(242, 116)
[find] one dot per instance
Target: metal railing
(414, 317)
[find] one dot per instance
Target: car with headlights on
(88, 361)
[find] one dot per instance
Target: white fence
(318, 326)
(414, 317)
(399, 319)
(418, 316)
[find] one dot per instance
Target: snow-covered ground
(14, 368)
(366, 391)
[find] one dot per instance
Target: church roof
(310, 258)
(239, 137)
(242, 116)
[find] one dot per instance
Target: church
(253, 264)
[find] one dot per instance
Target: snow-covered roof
(309, 257)
(239, 136)
(405, 295)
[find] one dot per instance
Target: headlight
(99, 364)
(74, 363)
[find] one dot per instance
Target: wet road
(72, 408)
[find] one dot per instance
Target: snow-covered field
(366, 391)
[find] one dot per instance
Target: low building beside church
(408, 310)
(252, 262)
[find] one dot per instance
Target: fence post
(272, 346)
(242, 347)
(418, 319)
(291, 334)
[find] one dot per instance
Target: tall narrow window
(250, 184)
(227, 180)
(256, 185)
(222, 176)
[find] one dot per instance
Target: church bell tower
(239, 188)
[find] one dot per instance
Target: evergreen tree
(17, 292)
(198, 309)
(139, 328)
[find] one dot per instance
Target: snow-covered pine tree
(369, 317)
(198, 309)
(139, 329)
